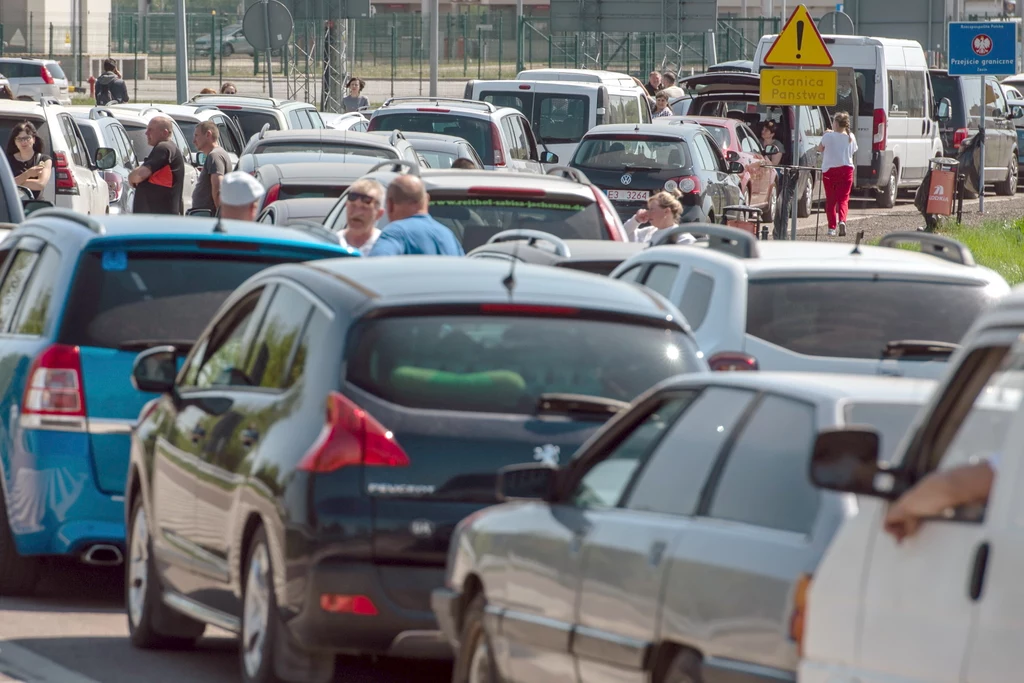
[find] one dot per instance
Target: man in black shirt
(159, 180)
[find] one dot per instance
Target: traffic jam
(614, 423)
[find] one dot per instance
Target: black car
(964, 96)
(299, 478)
(633, 162)
(600, 257)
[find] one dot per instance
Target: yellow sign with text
(796, 87)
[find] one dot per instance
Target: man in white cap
(240, 196)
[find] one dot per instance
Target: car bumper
(445, 603)
(396, 630)
(877, 173)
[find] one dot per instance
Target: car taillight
(798, 618)
(495, 192)
(878, 131)
(351, 436)
(612, 224)
(959, 136)
(45, 73)
(437, 110)
(272, 194)
(55, 383)
(348, 604)
(688, 184)
(499, 156)
(65, 179)
(115, 185)
(374, 124)
(728, 361)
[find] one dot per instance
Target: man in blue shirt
(410, 229)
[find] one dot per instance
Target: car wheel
(151, 623)
(886, 198)
(1008, 187)
(806, 204)
(684, 668)
(226, 50)
(475, 663)
(18, 575)
(265, 645)
(768, 215)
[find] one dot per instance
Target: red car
(739, 143)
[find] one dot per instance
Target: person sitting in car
(662, 213)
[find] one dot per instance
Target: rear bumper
(876, 174)
(394, 631)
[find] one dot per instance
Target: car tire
(266, 652)
(768, 213)
(226, 50)
(475, 661)
(151, 623)
(684, 668)
(886, 197)
(805, 206)
(18, 575)
(1008, 187)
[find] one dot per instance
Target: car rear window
(124, 296)
(311, 191)
(475, 219)
(55, 70)
(326, 148)
(436, 159)
(251, 122)
(476, 132)
(608, 153)
(854, 318)
(500, 364)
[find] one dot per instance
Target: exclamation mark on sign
(799, 38)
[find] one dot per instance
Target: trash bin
(941, 185)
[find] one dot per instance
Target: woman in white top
(663, 212)
(838, 148)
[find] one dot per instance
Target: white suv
(820, 307)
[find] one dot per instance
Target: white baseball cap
(240, 189)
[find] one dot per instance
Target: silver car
(676, 545)
(31, 79)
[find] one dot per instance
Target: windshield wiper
(579, 405)
(908, 349)
(181, 345)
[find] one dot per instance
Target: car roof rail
(414, 169)
(569, 173)
(944, 248)
(734, 241)
(313, 228)
(151, 109)
(205, 107)
(531, 237)
(49, 100)
(263, 131)
(486, 106)
(196, 98)
(69, 215)
(395, 136)
(99, 111)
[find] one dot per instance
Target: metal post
(213, 43)
(796, 161)
(981, 149)
(51, 40)
(520, 42)
(434, 35)
(78, 64)
(181, 58)
(501, 36)
(220, 61)
(135, 48)
(266, 32)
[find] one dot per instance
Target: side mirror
(198, 159)
(548, 158)
(847, 460)
(943, 109)
(106, 158)
(529, 482)
(735, 167)
(732, 155)
(30, 206)
(200, 213)
(1017, 112)
(154, 369)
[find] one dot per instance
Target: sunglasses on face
(360, 197)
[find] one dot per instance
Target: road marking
(25, 666)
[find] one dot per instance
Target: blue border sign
(984, 47)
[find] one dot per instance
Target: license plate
(628, 195)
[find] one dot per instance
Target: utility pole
(181, 57)
(434, 10)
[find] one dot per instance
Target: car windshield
(720, 133)
(436, 159)
(498, 364)
(476, 132)
(857, 318)
(615, 154)
(284, 146)
(251, 122)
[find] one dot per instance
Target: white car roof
(829, 386)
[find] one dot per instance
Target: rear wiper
(143, 344)
(640, 168)
(581, 405)
(917, 348)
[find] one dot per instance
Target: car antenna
(219, 227)
(510, 279)
(856, 247)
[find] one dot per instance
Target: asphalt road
(74, 631)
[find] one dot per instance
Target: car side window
(514, 151)
(764, 482)
(226, 139)
(126, 145)
(268, 365)
(67, 127)
(30, 317)
(705, 154)
(315, 121)
(224, 351)
(14, 284)
(341, 216)
(661, 277)
(294, 121)
(605, 482)
(521, 127)
(633, 274)
(696, 298)
(674, 476)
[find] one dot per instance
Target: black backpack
(103, 94)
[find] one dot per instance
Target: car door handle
(249, 437)
(198, 432)
(656, 553)
(978, 572)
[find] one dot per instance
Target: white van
(563, 104)
(885, 87)
(945, 605)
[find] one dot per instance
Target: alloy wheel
(256, 610)
(138, 567)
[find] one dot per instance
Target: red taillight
(115, 185)
(798, 618)
(437, 110)
(731, 362)
(499, 156)
(524, 87)
(508, 191)
(528, 309)
(45, 73)
(272, 194)
(55, 384)
(65, 179)
(228, 106)
(611, 219)
(878, 135)
(373, 125)
(688, 184)
(959, 136)
(348, 604)
(351, 436)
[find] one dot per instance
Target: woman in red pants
(838, 147)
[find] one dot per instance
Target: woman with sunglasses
(25, 154)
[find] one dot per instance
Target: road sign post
(980, 49)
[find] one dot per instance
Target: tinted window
(311, 191)
(696, 298)
(35, 304)
(326, 148)
(14, 283)
(611, 154)
(269, 361)
(521, 101)
(149, 296)
(222, 361)
(251, 122)
(661, 277)
(226, 136)
(92, 141)
(765, 480)
(476, 219)
(891, 420)
(561, 118)
(476, 132)
(604, 484)
(502, 364)
(857, 318)
(674, 477)
(949, 87)
(865, 82)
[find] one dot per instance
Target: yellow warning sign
(67, 38)
(793, 87)
(799, 44)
